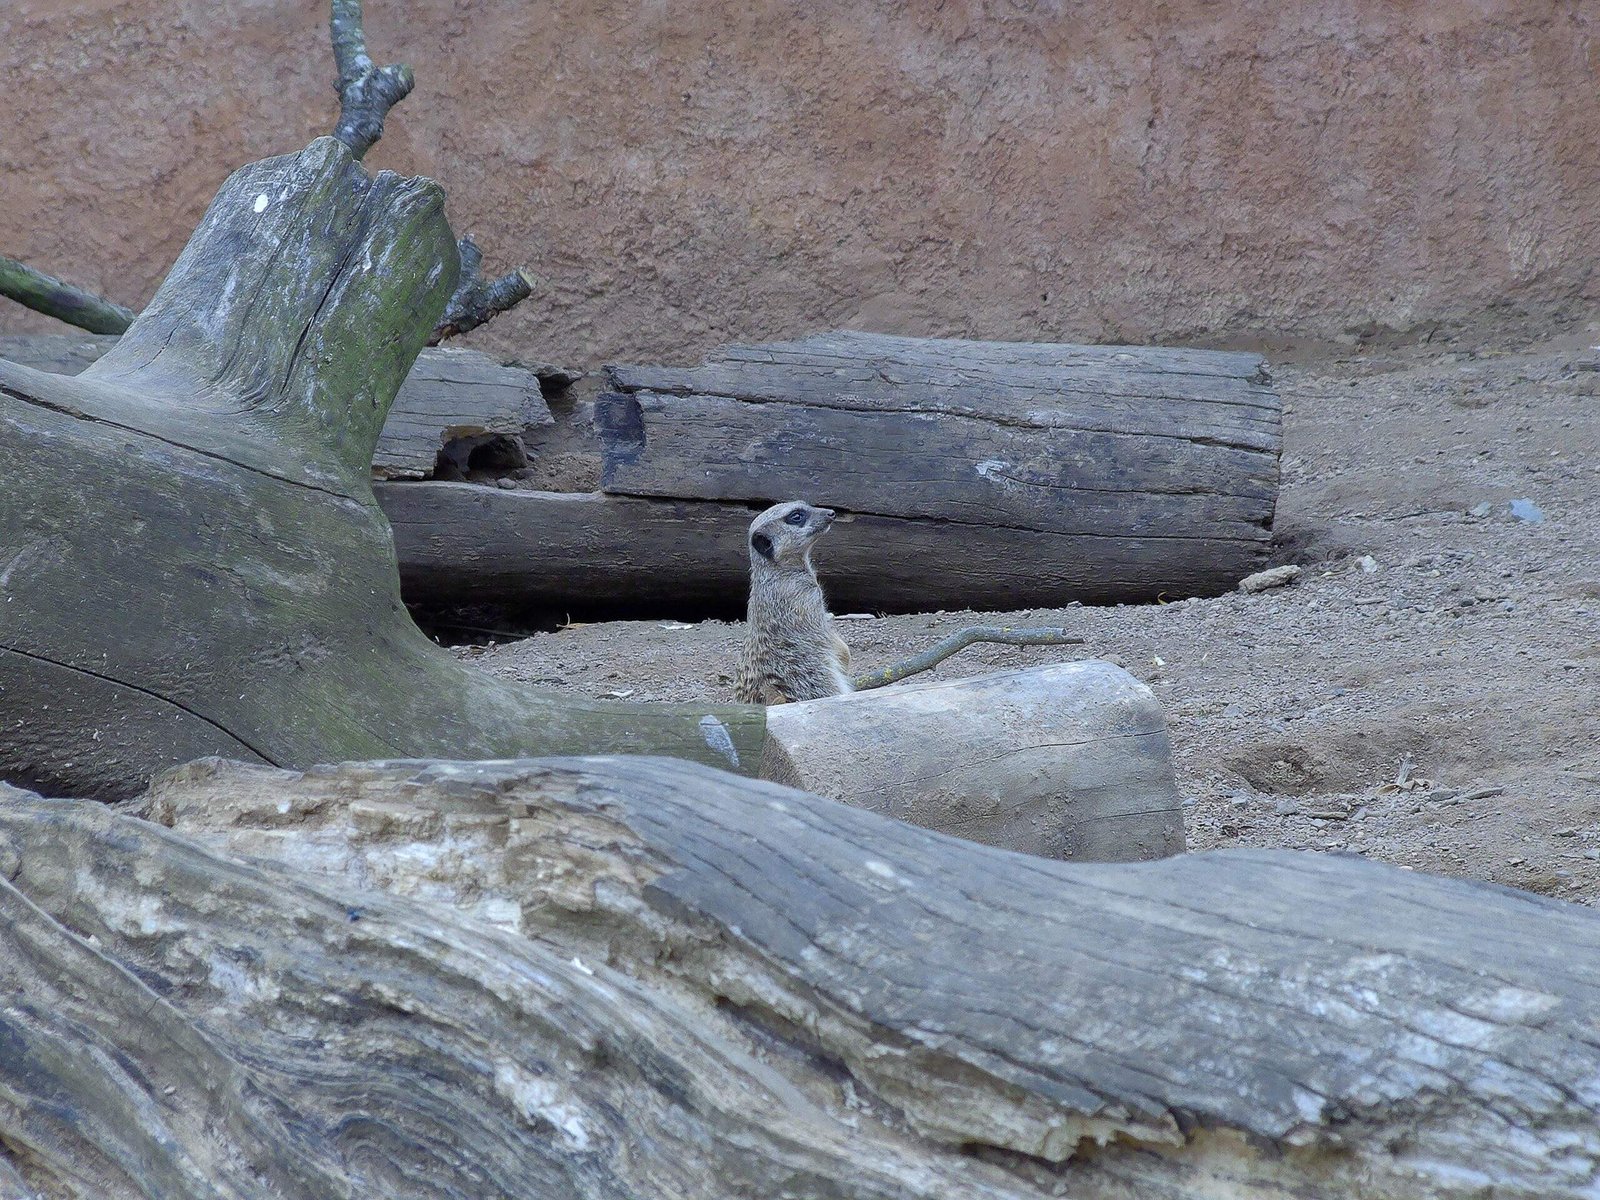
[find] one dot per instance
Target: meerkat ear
(762, 544)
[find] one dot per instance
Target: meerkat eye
(797, 517)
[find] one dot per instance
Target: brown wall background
(682, 173)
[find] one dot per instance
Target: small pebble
(1262, 580)
(1527, 510)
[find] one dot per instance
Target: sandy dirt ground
(1425, 693)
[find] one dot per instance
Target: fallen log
(606, 978)
(535, 551)
(966, 539)
(1132, 451)
(452, 399)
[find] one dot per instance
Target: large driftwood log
(616, 978)
(450, 396)
(1110, 455)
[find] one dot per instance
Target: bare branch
(960, 640)
(366, 92)
(478, 300)
(61, 300)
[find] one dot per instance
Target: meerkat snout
(791, 651)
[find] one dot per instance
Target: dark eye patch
(797, 517)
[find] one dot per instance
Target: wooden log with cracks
(614, 978)
(191, 558)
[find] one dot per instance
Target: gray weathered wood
(613, 978)
(191, 558)
(452, 394)
(1112, 443)
(1069, 761)
(588, 552)
(448, 395)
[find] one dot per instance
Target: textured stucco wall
(685, 173)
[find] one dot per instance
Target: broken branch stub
(478, 300)
(64, 301)
(366, 91)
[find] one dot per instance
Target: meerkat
(792, 650)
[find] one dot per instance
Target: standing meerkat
(791, 650)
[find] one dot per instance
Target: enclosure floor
(1424, 642)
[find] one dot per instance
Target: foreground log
(607, 978)
(1070, 761)
(451, 398)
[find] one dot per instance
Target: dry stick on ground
(61, 300)
(960, 640)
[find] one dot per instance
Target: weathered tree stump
(192, 562)
(614, 978)
(191, 559)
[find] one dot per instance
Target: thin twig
(366, 92)
(959, 640)
(61, 300)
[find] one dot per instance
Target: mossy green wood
(191, 559)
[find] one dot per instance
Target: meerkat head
(784, 534)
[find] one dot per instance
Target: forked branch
(478, 300)
(366, 92)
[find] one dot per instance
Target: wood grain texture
(1112, 443)
(609, 978)
(589, 552)
(448, 394)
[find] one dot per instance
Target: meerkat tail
(960, 640)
